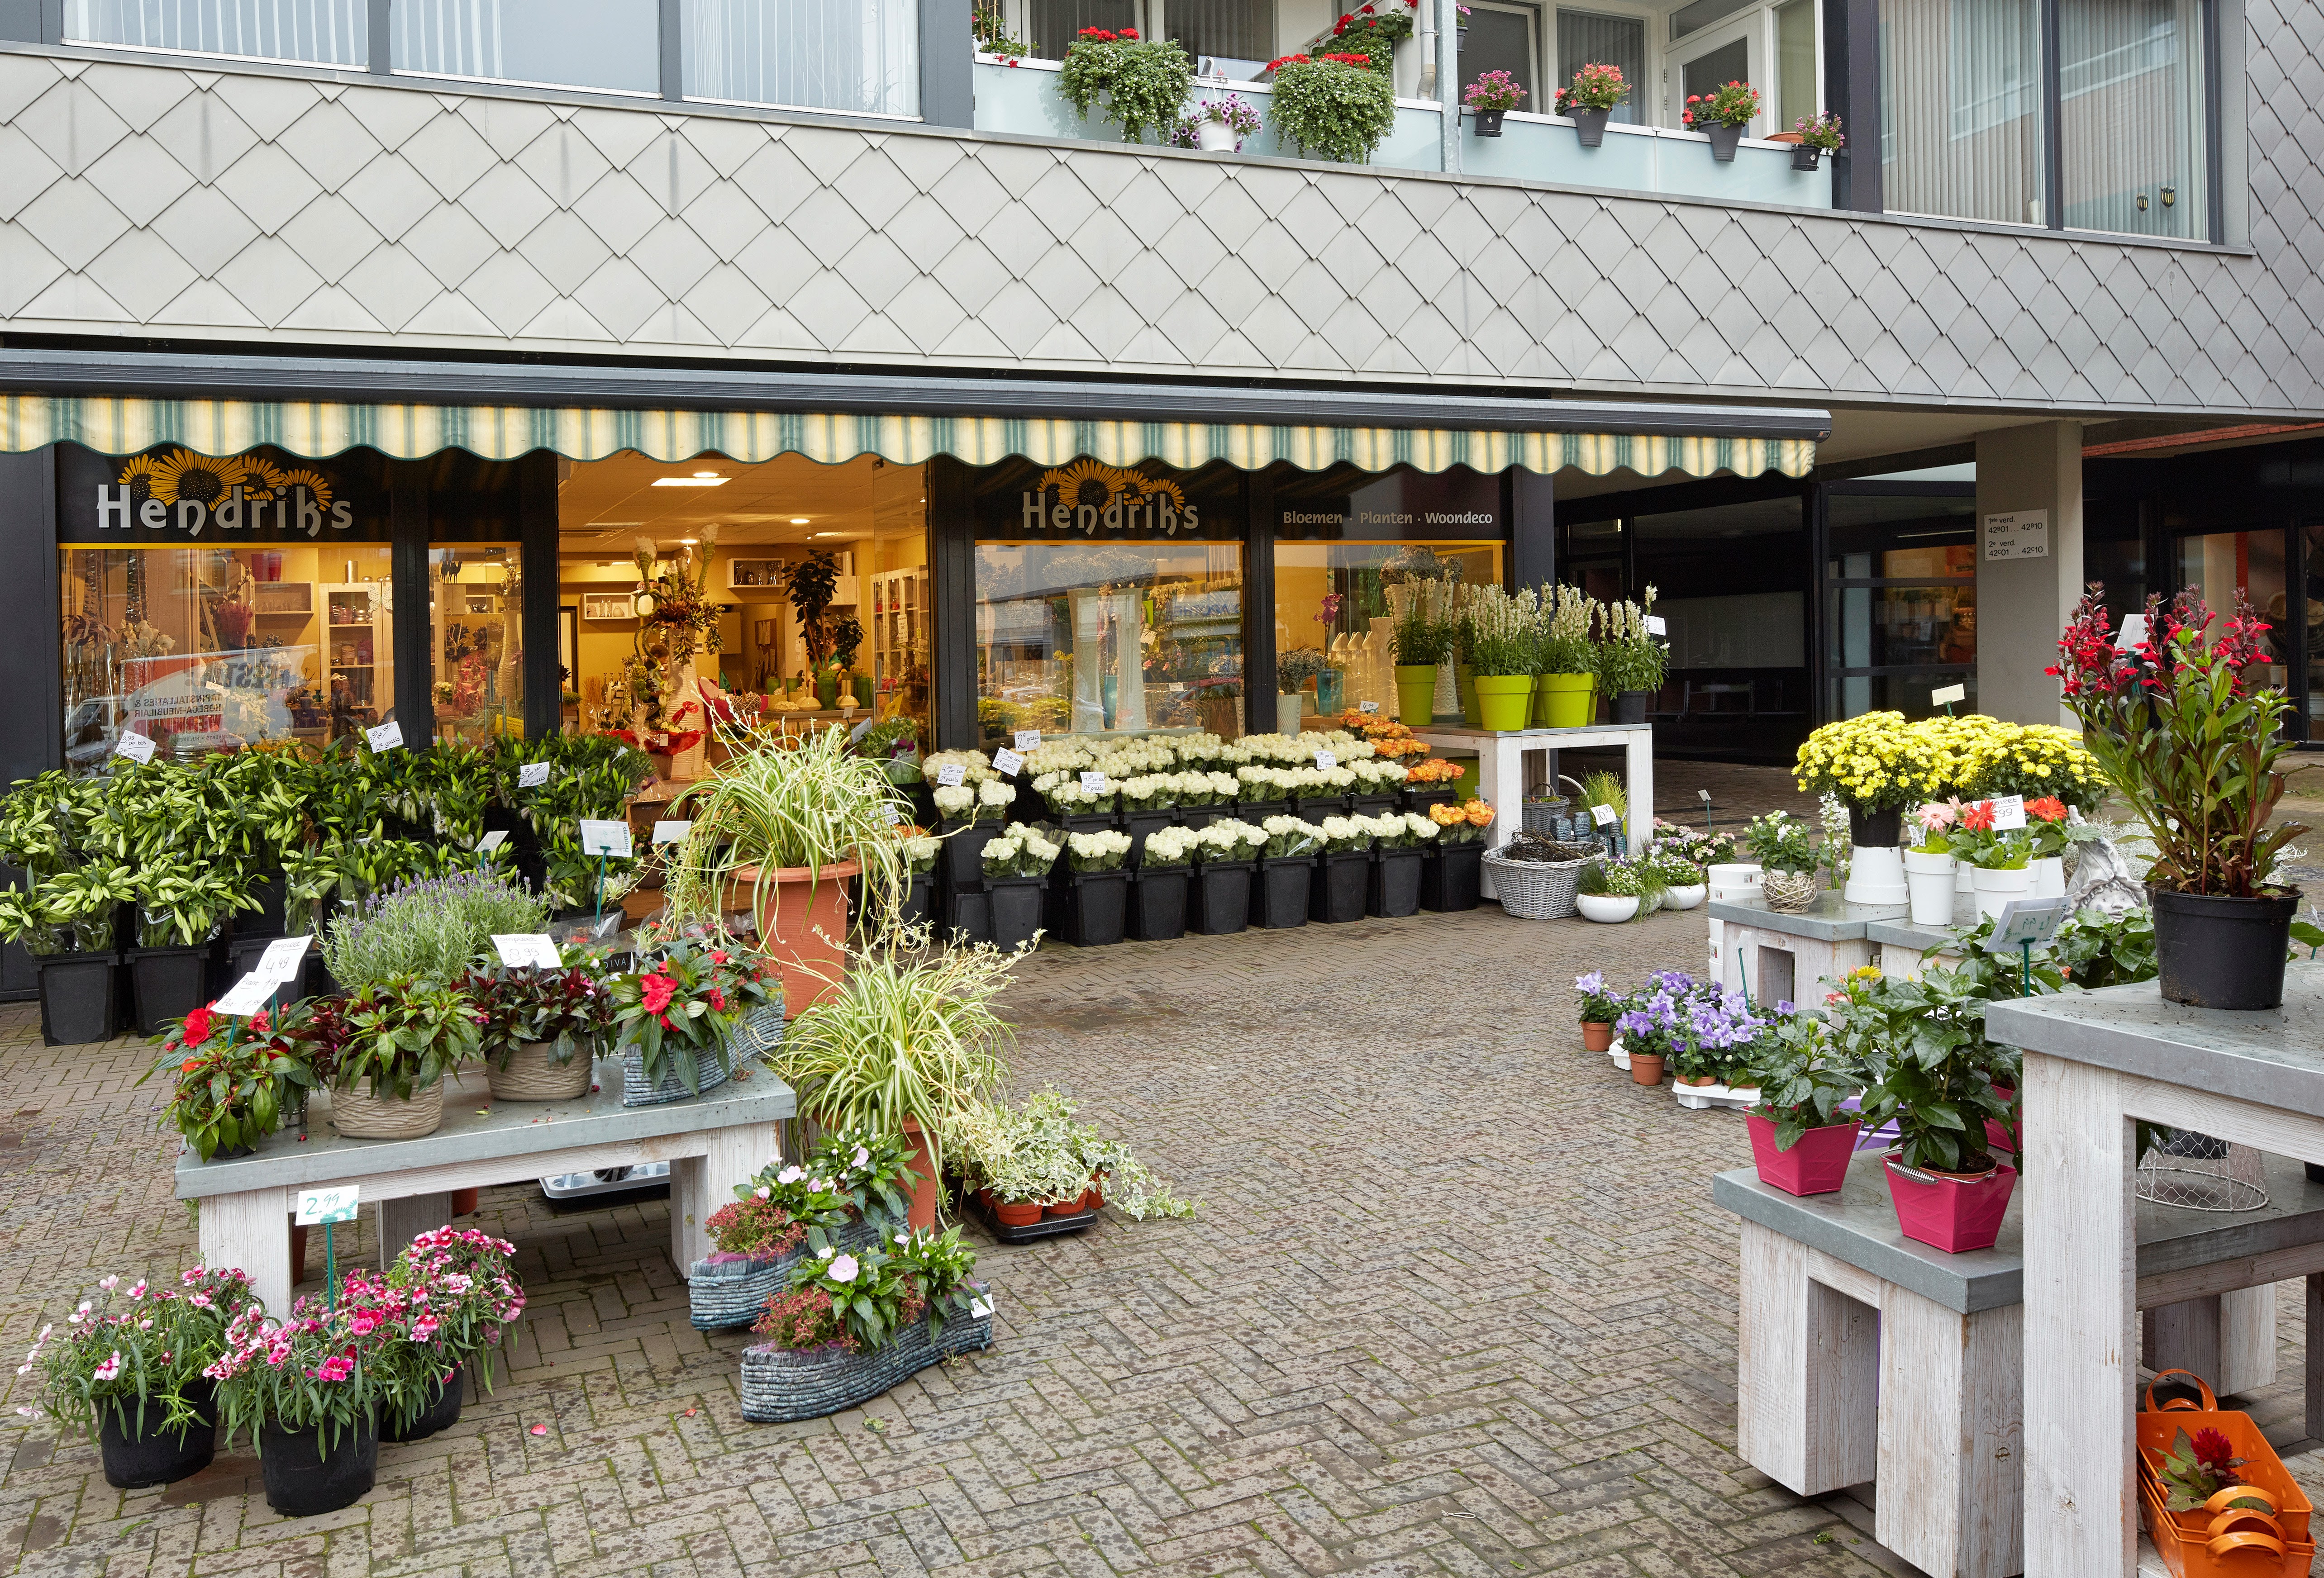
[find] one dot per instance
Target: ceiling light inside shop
(799, 520)
(699, 479)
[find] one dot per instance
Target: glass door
(1709, 59)
(2218, 564)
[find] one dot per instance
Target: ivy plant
(1142, 81)
(1332, 110)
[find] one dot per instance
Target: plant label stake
(138, 748)
(604, 839)
(387, 736)
(1704, 795)
(951, 775)
(2133, 632)
(281, 962)
(1094, 783)
(671, 832)
(1029, 739)
(2008, 813)
(1946, 696)
(328, 1207)
(486, 845)
(532, 775)
(2023, 922)
(1658, 625)
(1325, 761)
(1368, 706)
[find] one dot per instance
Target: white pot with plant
(1929, 867)
(1616, 891)
(1998, 859)
(1216, 126)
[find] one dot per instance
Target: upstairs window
(610, 45)
(857, 57)
(319, 33)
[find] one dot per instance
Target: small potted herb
(128, 1367)
(231, 1084)
(1818, 135)
(1803, 1135)
(1489, 97)
(1599, 1010)
(1785, 850)
(1721, 114)
(1592, 95)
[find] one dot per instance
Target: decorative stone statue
(2102, 881)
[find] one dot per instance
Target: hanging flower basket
(783, 1385)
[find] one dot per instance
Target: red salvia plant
(2182, 736)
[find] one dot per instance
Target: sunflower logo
(314, 481)
(1088, 482)
(182, 473)
(260, 475)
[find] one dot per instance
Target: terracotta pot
(1009, 1215)
(1597, 1036)
(803, 931)
(1064, 1207)
(924, 1193)
(1645, 1069)
(463, 1201)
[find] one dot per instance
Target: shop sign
(175, 496)
(1396, 506)
(1090, 496)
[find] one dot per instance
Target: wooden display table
(711, 1142)
(1500, 772)
(2094, 1062)
(1865, 1355)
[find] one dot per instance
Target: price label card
(318, 1206)
(1602, 814)
(1949, 695)
(492, 841)
(386, 736)
(1006, 762)
(1368, 706)
(1703, 794)
(519, 950)
(859, 731)
(611, 837)
(532, 775)
(671, 832)
(1325, 761)
(1029, 739)
(136, 747)
(2133, 631)
(1095, 783)
(2008, 812)
(248, 996)
(893, 812)
(951, 774)
(2028, 921)
(1656, 626)
(283, 959)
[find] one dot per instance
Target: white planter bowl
(1931, 879)
(1216, 138)
(1686, 898)
(1995, 888)
(1607, 907)
(1875, 875)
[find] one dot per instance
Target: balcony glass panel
(609, 44)
(324, 32)
(1960, 95)
(1234, 39)
(2131, 116)
(862, 56)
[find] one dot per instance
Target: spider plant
(908, 1034)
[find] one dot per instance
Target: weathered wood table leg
(251, 1231)
(1807, 1362)
(404, 1219)
(1952, 1465)
(2081, 1514)
(2227, 1338)
(1500, 780)
(1638, 788)
(700, 1185)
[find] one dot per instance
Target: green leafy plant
(565, 1010)
(29, 919)
(184, 903)
(1501, 631)
(1424, 630)
(401, 1036)
(1803, 1075)
(1930, 1067)
(1036, 1151)
(1332, 109)
(1781, 843)
(1142, 81)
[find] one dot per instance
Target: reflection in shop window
(1086, 638)
(1335, 606)
(206, 649)
(476, 642)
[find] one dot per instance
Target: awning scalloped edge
(321, 429)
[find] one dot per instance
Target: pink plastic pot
(1952, 1214)
(1999, 1135)
(1817, 1165)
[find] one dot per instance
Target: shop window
(211, 649)
(860, 57)
(326, 32)
(476, 642)
(614, 45)
(1098, 637)
(1335, 603)
(1901, 585)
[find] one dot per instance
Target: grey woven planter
(780, 1385)
(723, 1295)
(671, 1086)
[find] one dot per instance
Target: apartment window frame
(2050, 87)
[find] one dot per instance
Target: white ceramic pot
(1997, 887)
(1931, 879)
(1875, 875)
(1963, 875)
(1686, 898)
(2049, 876)
(1214, 137)
(1608, 907)
(1730, 883)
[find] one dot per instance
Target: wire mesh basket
(2195, 1172)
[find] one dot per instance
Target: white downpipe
(1448, 78)
(1426, 44)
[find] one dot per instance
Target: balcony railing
(1543, 150)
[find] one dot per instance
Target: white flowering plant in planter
(1103, 851)
(1153, 791)
(1288, 837)
(1347, 835)
(1057, 756)
(1169, 846)
(1229, 840)
(975, 766)
(1376, 777)
(1022, 851)
(1399, 829)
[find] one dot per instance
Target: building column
(2022, 604)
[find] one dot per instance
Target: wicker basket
(1541, 816)
(780, 1385)
(1536, 889)
(758, 1035)
(1790, 892)
(534, 1074)
(671, 1086)
(723, 1295)
(360, 1115)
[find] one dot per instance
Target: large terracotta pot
(927, 1191)
(804, 928)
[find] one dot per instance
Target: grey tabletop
(2272, 1057)
(1859, 1226)
(1830, 919)
(1901, 933)
(476, 1128)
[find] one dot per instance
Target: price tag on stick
(951, 775)
(319, 1206)
(859, 731)
(1368, 706)
(1948, 695)
(248, 995)
(521, 950)
(1325, 761)
(388, 736)
(671, 832)
(532, 775)
(2008, 813)
(1602, 814)
(283, 959)
(2133, 631)
(607, 837)
(2028, 921)
(1656, 625)
(1029, 740)
(136, 747)
(492, 841)
(1095, 783)
(1006, 762)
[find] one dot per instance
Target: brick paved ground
(1456, 1303)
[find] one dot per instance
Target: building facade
(349, 347)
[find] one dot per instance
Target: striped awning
(318, 429)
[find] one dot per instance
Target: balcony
(1024, 100)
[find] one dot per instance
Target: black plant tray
(1047, 1227)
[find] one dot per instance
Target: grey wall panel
(288, 210)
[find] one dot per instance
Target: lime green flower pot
(1569, 701)
(1504, 701)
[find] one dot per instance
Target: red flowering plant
(451, 1297)
(2046, 824)
(137, 1354)
(230, 1083)
(2198, 1467)
(1976, 840)
(2182, 737)
(1371, 33)
(315, 1372)
(685, 998)
(1732, 104)
(1596, 85)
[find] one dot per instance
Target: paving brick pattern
(1456, 1303)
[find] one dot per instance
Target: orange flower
(1447, 816)
(1480, 814)
(2048, 809)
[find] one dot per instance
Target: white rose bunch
(975, 766)
(1169, 846)
(1103, 851)
(954, 800)
(1290, 836)
(993, 799)
(1231, 840)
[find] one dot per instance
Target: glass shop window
(1335, 605)
(476, 642)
